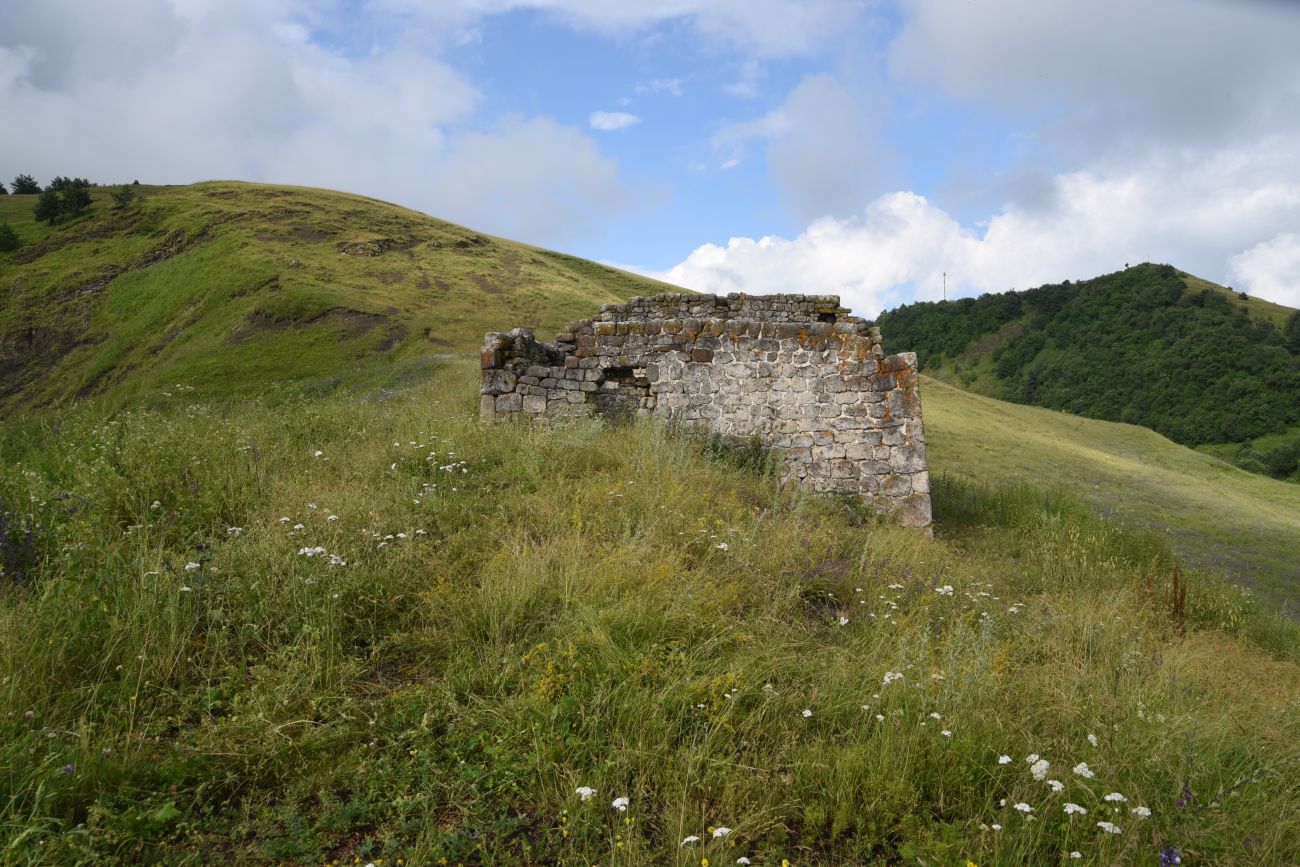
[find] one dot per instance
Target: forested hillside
(1193, 362)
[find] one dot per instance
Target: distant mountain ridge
(1148, 345)
(226, 287)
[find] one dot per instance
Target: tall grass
(361, 626)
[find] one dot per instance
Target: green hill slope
(225, 287)
(312, 626)
(1148, 345)
(1216, 516)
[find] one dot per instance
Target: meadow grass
(358, 626)
(1214, 515)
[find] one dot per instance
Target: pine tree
(1292, 333)
(76, 198)
(48, 208)
(8, 238)
(25, 184)
(124, 196)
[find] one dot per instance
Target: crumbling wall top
(792, 309)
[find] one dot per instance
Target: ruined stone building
(796, 371)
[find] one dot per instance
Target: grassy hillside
(1148, 345)
(221, 287)
(356, 628)
(1213, 514)
(250, 622)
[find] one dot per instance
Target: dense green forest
(1136, 346)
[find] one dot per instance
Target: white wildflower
(935, 715)
(585, 792)
(688, 840)
(805, 713)
(1092, 739)
(721, 546)
(996, 826)
(1141, 812)
(1116, 797)
(844, 621)
(891, 676)
(946, 733)
(1071, 809)
(299, 527)
(880, 717)
(1039, 769)
(1031, 758)
(1004, 760)
(620, 804)
(234, 531)
(1109, 827)
(332, 518)
(1024, 808)
(318, 454)
(192, 567)
(1056, 785)
(1082, 770)
(721, 832)
(945, 590)
(185, 589)
(1076, 855)
(743, 860)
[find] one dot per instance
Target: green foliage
(25, 184)
(49, 207)
(9, 239)
(61, 184)
(1292, 333)
(75, 199)
(63, 199)
(1134, 346)
(124, 196)
(4, 191)
(522, 614)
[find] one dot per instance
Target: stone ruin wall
(810, 381)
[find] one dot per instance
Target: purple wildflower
(69, 768)
(1171, 856)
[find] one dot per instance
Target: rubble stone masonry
(796, 371)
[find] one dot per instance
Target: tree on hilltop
(123, 196)
(4, 191)
(76, 198)
(60, 183)
(48, 208)
(8, 238)
(25, 184)
(1292, 333)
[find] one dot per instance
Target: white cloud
(1195, 212)
(1270, 269)
(670, 86)
(237, 89)
(534, 179)
(822, 149)
(611, 120)
(1113, 72)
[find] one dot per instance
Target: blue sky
(865, 147)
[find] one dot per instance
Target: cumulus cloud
(611, 120)
(1270, 269)
(823, 151)
(1196, 212)
(1114, 73)
(238, 89)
